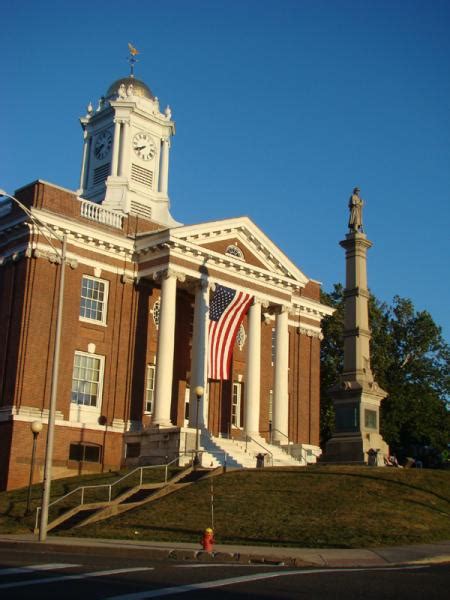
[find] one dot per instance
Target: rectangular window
(87, 379)
(236, 404)
(150, 388)
(187, 395)
(85, 452)
(94, 295)
(133, 450)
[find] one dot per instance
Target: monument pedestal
(356, 438)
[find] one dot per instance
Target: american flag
(226, 312)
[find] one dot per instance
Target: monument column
(357, 396)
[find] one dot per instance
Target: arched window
(233, 250)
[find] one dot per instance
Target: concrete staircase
(241, 454)
(136, 496)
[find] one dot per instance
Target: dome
(139, 87)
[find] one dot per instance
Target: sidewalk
(301, 557)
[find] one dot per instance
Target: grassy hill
(320, 506)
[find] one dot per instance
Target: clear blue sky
(282, 107)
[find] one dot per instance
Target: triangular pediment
(241, 240)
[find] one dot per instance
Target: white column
(124, 146)
(164, 167)
(86, 145)
(280, 407)
(164, 356)
(199, 355)
(253, 378)
(116, 147)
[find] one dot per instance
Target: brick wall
(21, 448)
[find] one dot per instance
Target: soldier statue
(355, 205)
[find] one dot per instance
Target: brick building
(135, 313)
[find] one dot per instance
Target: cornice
(307, 308)
(224, 262)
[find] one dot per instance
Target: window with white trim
(87, 379)
(150, 388)
(94, 298)
(236, 404)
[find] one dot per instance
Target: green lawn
(319, 506)
(13, 504)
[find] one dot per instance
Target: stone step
(243, 455)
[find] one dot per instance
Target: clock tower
(125, 161)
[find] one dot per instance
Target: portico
(263, 368)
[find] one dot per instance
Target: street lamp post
(36, 428)
(199, 391)
(55, 371)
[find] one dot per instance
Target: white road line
(71, 577)
(33, 568)
(208, 565)
(181, 589)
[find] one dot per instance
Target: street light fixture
(36, 428)
(199, 391)
(55, 372)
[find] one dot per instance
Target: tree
(410, 360)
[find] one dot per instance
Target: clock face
(144, 146)
(103, 145)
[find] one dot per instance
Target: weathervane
(132, 58)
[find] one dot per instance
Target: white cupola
(125, 161)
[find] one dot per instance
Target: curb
(289, 557)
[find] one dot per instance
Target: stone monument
(357, 396)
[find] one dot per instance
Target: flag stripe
(233, 335)
(227, 311)
(222, 331)
(230, 336)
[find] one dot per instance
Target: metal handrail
(261, 446)
(288, 449)
(110, 485)
(248, 438)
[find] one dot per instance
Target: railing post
(140, 478)
(110, 493)
(37, 518)
(82, 496)
(167, 469)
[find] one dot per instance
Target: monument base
(357, 448)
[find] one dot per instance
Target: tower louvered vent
(141, 175)
(101, 173)
(136, 208)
